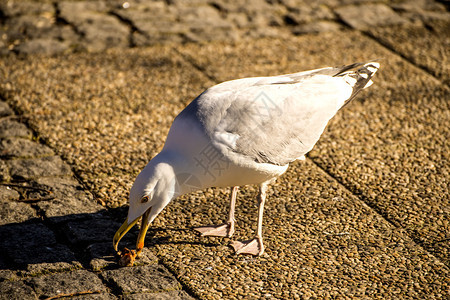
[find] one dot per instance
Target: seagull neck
(172, 166)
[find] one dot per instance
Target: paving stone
(4, 172)
(363, 17)
(15, 8)
(142, 279)
(31, 192)
(42, 46)
(418, 5)
(70, 201)
(102, 255)
(303, 14)
(16, 290)
(31, 26)
(19, 147)
(12, 211)
(98, 30)
(95, 229)
(428, 17)
(173, 295)
(186, 21)
(316, 27)
(8, 194)
(17, 236)
(107, 32)
(138, 12)
(33, 29)
(156, 23)
(38, 167)
(64, 284)
(5, 110)
(204, 23)
(11, 128)
(54, 258)
(102, 296)
(7, 275)
(72, 8)
(33, 246)
(30, 34)
(7, 272)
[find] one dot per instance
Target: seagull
(241, 132)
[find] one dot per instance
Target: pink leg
(254, 246)
(225, 229)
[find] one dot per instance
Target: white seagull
(240, 132)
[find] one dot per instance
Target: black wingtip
(363, 76)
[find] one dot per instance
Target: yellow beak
(144, 226)
(122, 231)
(126, 227)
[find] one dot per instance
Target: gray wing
(276, 119)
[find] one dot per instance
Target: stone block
(363, 17)
(102, 296)
(16, 290)
(53, 258)
(71, 201)
(4, 172)
(155, 23)
(305, 14)
(102, 255)
(33, 247)
(70, 9)
(19, 147)
(28, 25)
(12, 211)
(9, 128)
(418, 6)
(98, 29)
(46, 46)
(142, 279)
(64, 284)
(26, 169)
(6, 274)
(17, 8)
(95, 229)
(316, 27)
(8, 194)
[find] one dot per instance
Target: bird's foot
(252, 247)
(224, 230)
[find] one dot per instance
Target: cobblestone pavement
(88, 90)
(56, 240)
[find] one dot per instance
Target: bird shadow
(44, 245)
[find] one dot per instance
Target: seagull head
(152, 190)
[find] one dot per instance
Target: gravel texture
(357, 149)
(365, 216)
(430, 49)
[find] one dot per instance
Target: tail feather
(359, 79)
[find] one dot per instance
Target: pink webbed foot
(223, 230)
(252, 247)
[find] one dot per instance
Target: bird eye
(144, 199)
